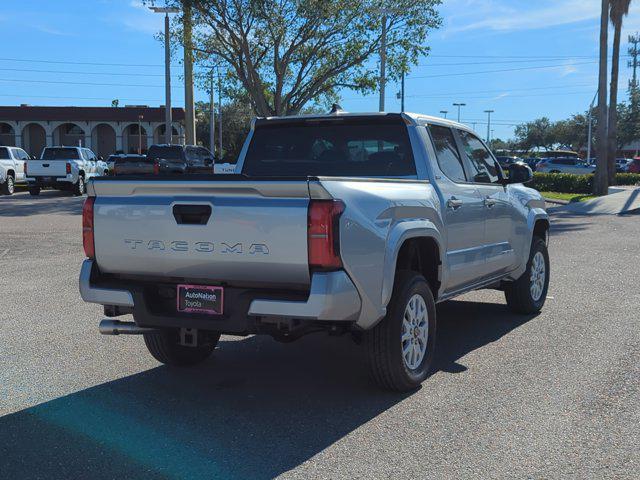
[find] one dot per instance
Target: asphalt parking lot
(549, 396)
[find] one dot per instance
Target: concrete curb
(556, 201)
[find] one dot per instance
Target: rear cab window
(60, 154)
(4, 153)
(342, 147)
(166, 152)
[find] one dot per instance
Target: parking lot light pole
(444, 112)
(459, 105)
(167, 69)
(489, 112)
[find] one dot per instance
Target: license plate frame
(203, 299)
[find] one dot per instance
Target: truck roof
(410, 118)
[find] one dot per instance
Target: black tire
(79, 187)
(8, 186)
(384, 342)
(165, 347)
(34, 191)
(519, 294)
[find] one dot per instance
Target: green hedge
(568, 183)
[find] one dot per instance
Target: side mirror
(519, 172)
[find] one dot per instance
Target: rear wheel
(401, 348)
(8, 186)
(35, 191)
(79, 187)
(165, 347)
(529, 292)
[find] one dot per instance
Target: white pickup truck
(64, 168)
(12, 161)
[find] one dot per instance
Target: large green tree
(535, 134)
(289, 54)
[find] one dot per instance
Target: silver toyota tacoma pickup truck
(345, 223)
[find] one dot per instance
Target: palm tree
(600, 181)
(617, 11)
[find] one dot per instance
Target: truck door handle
(489, 202)
(454, 203)
(45, 164)
(192, 214)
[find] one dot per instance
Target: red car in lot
(634, 166)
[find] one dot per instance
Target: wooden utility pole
(601, 177)
(189, 109)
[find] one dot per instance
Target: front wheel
(401, 348)
(165, 347)
(528, 294)
(8, 186)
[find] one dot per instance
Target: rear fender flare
(402, 232)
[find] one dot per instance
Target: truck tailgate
(215, 231)
(46, 168)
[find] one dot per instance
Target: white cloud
(512, 15)
(136, 16)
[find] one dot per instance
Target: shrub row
(568, 183)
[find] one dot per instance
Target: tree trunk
(612, 142)
(600, 181)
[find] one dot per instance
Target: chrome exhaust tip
(116, 327)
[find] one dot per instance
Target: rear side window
(344, 147)
(60, 154)
(4, 153)
(447, 153)
(484, 169)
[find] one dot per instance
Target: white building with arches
(105, 130)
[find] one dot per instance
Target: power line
(66, 62)
(413, 77)
(82, 73)
(85, 83)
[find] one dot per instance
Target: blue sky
(523, 59)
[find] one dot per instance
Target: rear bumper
(332, 298)
(55, 182)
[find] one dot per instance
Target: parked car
(622, 165)
(363, 232)
(64, 168)
(532, 162)
(133, 165)
(634, 166)
(12, 162)
(564, 165)
(505, 161)
(173, 159)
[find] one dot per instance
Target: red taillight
(156, 168)
(87, 227)
(25, 169)
(68, 168)
(323, 234)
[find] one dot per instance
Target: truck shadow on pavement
(257, 409)
(49, 202)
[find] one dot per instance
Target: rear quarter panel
(378, 217)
